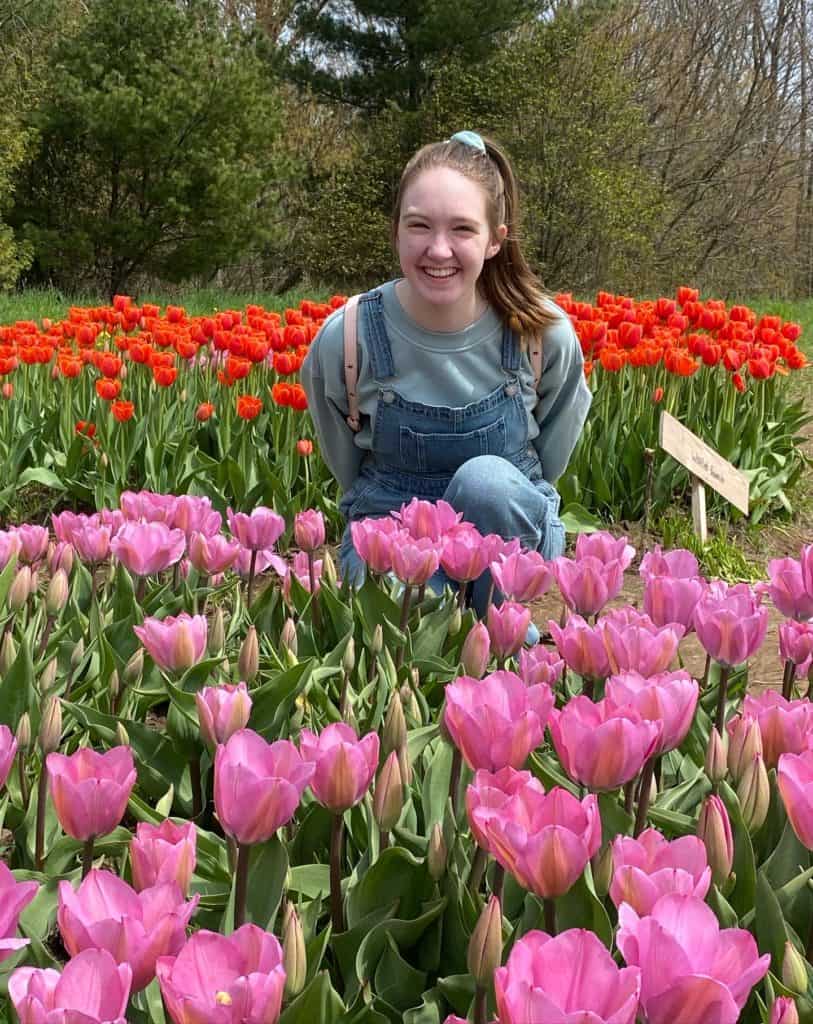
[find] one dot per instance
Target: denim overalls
(477, 457)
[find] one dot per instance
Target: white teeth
(440, 273)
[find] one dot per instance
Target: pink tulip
(147, 548)
(787, 589)
(714, 829)
(8, 751)
(543, 840)
(582, 647)
(258, 785)
(267, 558)
(112, 517)
(784, 725)
(413, 561)
(372, 539)
(309, 529)
(476, 651)
(175, 643)
(795, 778)
(212, 554)
(9, 547)
(565, 980)
(259, 530)
(600, 745)
(489, 793)
(540, 664)
(219, 979)
(14, 898)
(92, 989)
(148, 507)
(783, 1011)
(639, 645)
(92, 543)
(33, 542)
(524, 576)
(163, 853)
(135, 928)
(430, 519)
(499, 548)
(587, 585)
(690, 969)
(195, 515)
(605, 548)
(300, 570)
(679, 563)
(730, 623)
(496, 721)
(669, 698)
(669, 599)
(60, 556)
(345, 764)
(90, 790)
(650, 866)
(507, 627)
(796, 645)
(463, 555)
(222, 711)
(806, 562)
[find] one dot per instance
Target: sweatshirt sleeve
(322, 377)
(564, 398)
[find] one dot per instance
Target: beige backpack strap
(535, 355)
(351, 361)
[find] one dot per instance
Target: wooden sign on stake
(705, 466)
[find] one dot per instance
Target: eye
(465, 228)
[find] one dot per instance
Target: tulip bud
(48, 676)
(50, 726)
(794, 970)
(114, 686)
(485, 945)
(456, 621)
(7, 389)
(8, 653)
(437, 854)
(248, 663)
(377, 644)
(294, 958)
(328, 569)
(714, 828)
(410, 703)
(288, 638)
(476, 651)
(56, 596)
(182, 395)
(754, 794)
(122, 736)
(77, 654)
(716, 756)
(602, 865)
(783, 1011)
(217, 632)
(103, 460)
(394, 736)
(20, 589)
(350, 719)
(23, 733)
(388, 801)
(349, 656)
(134, 668)
(744, 743)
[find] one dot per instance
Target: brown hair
(506, 281)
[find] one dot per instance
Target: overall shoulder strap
(351, 366)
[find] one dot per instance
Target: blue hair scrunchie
(469, 139)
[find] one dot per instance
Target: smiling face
(443, 239)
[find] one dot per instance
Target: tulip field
(131, 396)
(235, 789)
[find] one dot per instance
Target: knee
(482, 479)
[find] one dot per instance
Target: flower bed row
(128, 395)
(276, 796)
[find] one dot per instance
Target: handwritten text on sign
(704, 462)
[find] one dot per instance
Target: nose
(439, 247)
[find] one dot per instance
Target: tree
(157, 148)
(371, 53)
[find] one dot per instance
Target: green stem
(251, 570)
(336, 909)
(549, 910)
(316, 611)
(194, 779)
(480, 1006)
(643, 796)
(725, 672)
(23, 779)
(478, 867)
(87, 856)
(454, 779)
(42, 796)
(788, 678)
(498, 882)
(402, 625)
(241, 884)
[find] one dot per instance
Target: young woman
(462, 379)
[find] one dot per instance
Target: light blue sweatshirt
(451, 369)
